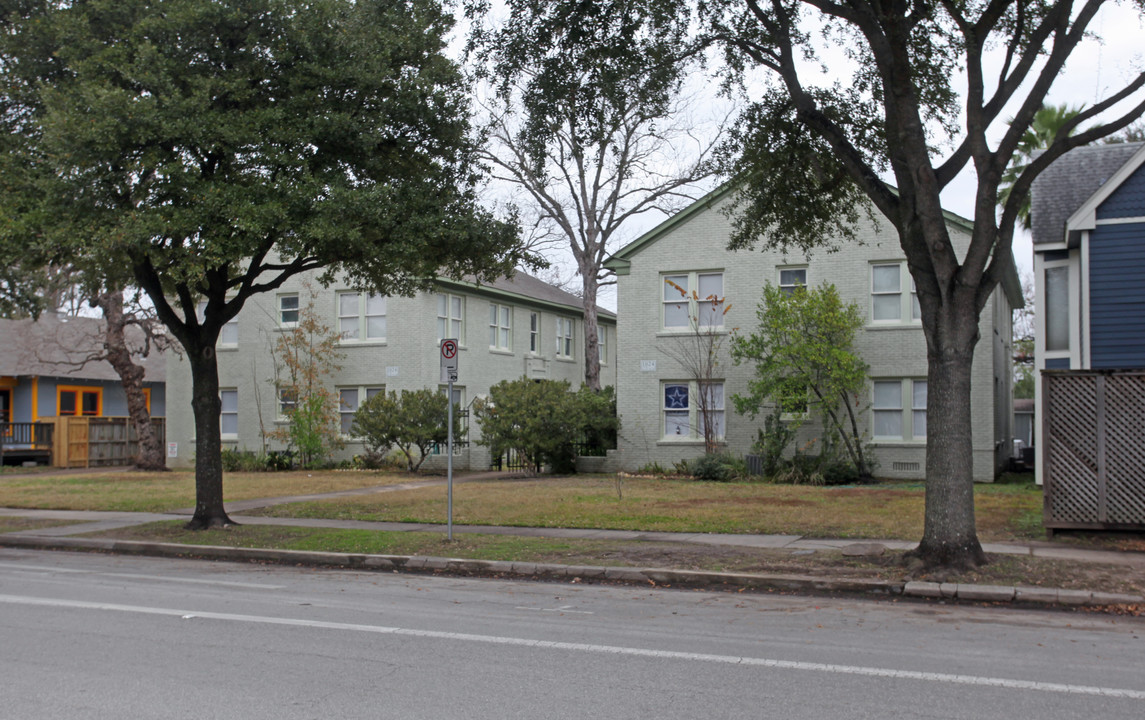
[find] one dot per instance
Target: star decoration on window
(676, 397)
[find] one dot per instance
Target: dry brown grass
(162, 492)
(889, 511)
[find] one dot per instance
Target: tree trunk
(591, 330)
(151, 455)
(207, 405)
(950, 538)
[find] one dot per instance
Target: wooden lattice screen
(1093, 449)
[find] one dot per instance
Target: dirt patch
(747, 501)
(870, 493)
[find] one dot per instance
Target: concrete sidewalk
(81, 522)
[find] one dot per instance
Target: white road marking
(562, 609)
(137, 576)
(1005, 683)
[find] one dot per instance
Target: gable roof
(50, 347)
(622, 258)
(522, 286)
(1079, 179)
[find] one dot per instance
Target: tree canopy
(916, 93)
(207, 151)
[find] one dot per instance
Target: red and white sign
(449, 360)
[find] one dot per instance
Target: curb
(1046, 597)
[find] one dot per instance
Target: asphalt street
(94, 636)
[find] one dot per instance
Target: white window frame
(693, 306)
(602, 343)
(909, 312)
(362, 393)
(283, 405)
(224, 413)
(500, 327)
(695, 420)
(566, 334)
(534, 333)
(360, 318)
(789, 287)
(282, 311)
(228, 334)
(450, 317)
(911, 411)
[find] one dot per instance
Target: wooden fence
(1093, 449)
(98, 441)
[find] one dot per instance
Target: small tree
(416, 419)
(699, 351)
(307, 356)
(538, 419)
(804, 360)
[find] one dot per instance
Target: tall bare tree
(591, 120)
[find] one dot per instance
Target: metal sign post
(449, 375)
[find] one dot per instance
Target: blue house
(43, 377)
(1088, 221)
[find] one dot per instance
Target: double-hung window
(899, 410)
(229, 413)
(229, 334)
(695, 298)
(602, 343)
(500, 327)
(288, 309)
(565, 337)
(349, 400)
(451, 317)
(689, 407)
(287, 402)
(889, 304)
(534, 333)
(361, 317)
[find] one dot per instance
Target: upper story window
(792, 278)
(565, 343)
(451, 317)
(229, 335)
(288, 308)
(889, 304)
(534, 333)
(500, 327)
(692, 298)
(361, 316)
(602, 343)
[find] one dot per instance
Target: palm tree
(1048, 122)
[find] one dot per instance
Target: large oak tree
(920, 93)
(210, 150)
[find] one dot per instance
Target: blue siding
(1127, 201)
(1057, 363)
(1117, 295)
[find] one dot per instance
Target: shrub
(717, 467)
(414, 420)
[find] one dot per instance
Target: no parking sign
(449, 360)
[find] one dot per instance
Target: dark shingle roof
(49, 347)
(1072, 179)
